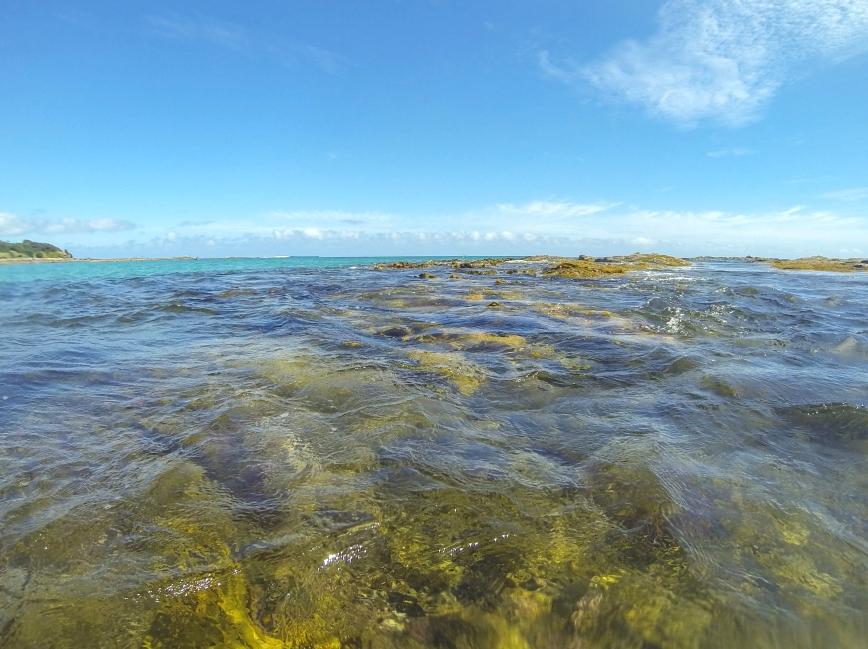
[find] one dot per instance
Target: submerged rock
(719, 387)
(465, 376)
(396, 332)
(840, 423)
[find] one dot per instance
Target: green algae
(820, 263)
(473, 340)
(569, 267)
(566, 311)
(477, 564)
(587, 268)
(584, 269)
(719, 386)
(517, 347)
(478, 294)
(465, 376)
(455, 264)
(323, 387)
(404, 265)
(653, 260)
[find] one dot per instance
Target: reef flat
(821, 263)
(634, 451)
(581, 267)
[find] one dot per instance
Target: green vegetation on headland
(581, 267)
(820, 263)
(32, 250)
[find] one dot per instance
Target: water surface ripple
(314, 453)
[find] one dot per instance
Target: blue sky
(436, 127)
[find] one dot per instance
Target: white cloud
(555, 209)
(533, 227)
(642, 242)
(794, 231)
(182, 28)
(553, 70)
(12, 225)
(849, 195)
(735, 152)
(331, 218)
(241, 40)
(722, 60)
(546, 226)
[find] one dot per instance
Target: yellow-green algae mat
(378, 553)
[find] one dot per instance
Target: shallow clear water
(312, 453)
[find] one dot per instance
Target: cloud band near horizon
(552, 226)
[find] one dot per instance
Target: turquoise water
(90, 270)
(309, 452)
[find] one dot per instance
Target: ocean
(311, 452)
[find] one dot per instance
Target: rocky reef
(443, 263)
(581, 267)
(821, 263)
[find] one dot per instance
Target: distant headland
(31, 250)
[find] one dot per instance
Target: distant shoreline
(66, 260)
(816, 263)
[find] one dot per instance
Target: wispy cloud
(542, 226)
(237, 38)
(554, 209)
(722, 60)
(12, 225)
(222, 34)
(735, 152)
(851, 194)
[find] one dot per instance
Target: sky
(435, 127)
